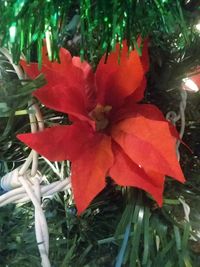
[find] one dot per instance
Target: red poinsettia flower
(111, 135)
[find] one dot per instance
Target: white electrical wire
(173, 118)
(29, 191)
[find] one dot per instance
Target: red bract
(111, 135)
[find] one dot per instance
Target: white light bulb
(197, 26)
(190, 85)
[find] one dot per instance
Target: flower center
(99, 115)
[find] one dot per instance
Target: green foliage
(73, 240)
(17, 242)
(155, 239)
(14, 97)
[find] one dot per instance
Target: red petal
(32, 69)
(90, 90)
(89, 172)
(65, 99)
(83, 65)
(147, 110)
(59, 67)
(130, 110)
(117, 81)
(138, 95)
(65, 93)
(60, 142)
(126, 173)
(70, 84)
(150, 144)
(74, 72)
(65, 90)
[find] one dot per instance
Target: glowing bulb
(198, 27)
(190, 85)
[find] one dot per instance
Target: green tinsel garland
(100, 23)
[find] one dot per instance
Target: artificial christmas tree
(122, 226)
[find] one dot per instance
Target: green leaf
(177, 237)
(147, 215)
